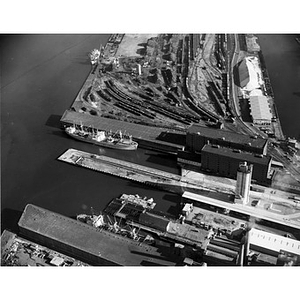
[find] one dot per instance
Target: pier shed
(198, 136)
(89, 244)
(156, 138)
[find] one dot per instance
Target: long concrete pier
(160, 179)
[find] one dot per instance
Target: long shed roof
(226, 135)
(259, 107)
(236, 154)
(111, 247)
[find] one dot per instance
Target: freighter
(104, 221)
(102, 138)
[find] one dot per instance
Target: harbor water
(282, 57)
(41, 76)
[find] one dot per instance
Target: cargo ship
(110, 223)
(102, 138)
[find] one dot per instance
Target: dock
(154, 138)
(273, 209)
(138, 173)
(274, 205)
(94, 246)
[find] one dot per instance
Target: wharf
(269, 204)
(156, 138)
(160, 179)
(185, 236)
(203, 218)
(92, 245)
(274, 209)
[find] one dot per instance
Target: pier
(138, 173)
(274, 205)
(154, 138)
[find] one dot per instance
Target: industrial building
(225, 162)
(221, 152)
(252, 45)
(198, 136)
(260, 110)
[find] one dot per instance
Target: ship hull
(117, 145)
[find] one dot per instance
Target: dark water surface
(41, 76)
(282, 56)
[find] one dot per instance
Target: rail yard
(170, 81)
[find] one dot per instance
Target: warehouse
(198, 136)
(225, 161)
(260, 110)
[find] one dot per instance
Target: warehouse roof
(229, 136)
(259, 107)
(91, 241)
(237, 154)
(136, 130)
(244, 77)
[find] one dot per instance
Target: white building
(260, 110)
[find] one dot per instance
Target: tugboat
(102, 138)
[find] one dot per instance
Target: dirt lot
(130, 43)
